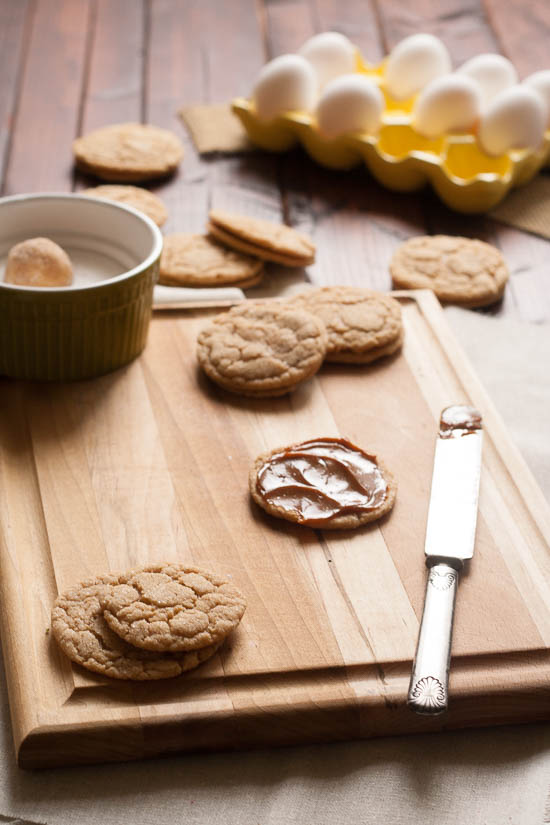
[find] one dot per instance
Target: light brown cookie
(128, 152)
(262, 349)
(172, 608)
(197, 260)
(362, 325)
(264, 239)
(83, 635)
(461, 271)
(135, 196)
(326, 483)
(38, 262)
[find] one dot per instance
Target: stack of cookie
(265, 349)
(153, 622)
(362, 324)
(233, 252)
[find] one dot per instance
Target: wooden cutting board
(150, 463)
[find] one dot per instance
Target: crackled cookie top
(128, 152)
(265, 239)
(324, 482)
(361, 324)
(262, 349)
(172, 608)
(197, 260)
(135, 196)
(83, 635)
(459, 270)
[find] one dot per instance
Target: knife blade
(450, 540)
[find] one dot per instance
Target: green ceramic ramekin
(101, 321)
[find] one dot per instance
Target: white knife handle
(428, 689)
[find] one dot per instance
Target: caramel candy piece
(38, 262)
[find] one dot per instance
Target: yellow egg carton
(464, 177)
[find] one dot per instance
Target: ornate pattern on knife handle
(450, 535)
(428, 689)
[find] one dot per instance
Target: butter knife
(450, 538)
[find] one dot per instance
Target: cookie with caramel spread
(327, 483)
(262, 349)
(461, 271)
(362, 324)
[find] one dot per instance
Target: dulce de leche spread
(459, 420)
(321, 480)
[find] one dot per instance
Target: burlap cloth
(497, 776)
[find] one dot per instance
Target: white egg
(414, 62)
(286, 83)
(331, 54)
(492, 72)
(350, 103)
(515, 119)
(540, 83)
(448, 104)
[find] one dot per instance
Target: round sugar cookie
(172, 608)
(461, 271)
(38, 262)
(362, 324)
(135, 196)
(198, 260)
(264, 239)
(326, 483)
(128, 152)
(83, 635)
(262, 349)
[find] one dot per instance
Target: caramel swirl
(322, 479)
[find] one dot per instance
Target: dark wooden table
(68, 66)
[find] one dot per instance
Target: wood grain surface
(68, 67)
(114, 472)
(150, 464)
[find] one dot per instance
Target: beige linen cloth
(496, 776)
